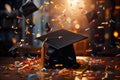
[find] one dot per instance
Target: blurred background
(21, 21)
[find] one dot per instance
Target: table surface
(91, 68)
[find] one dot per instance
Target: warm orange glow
(71, 15)
(117, 7)
(68, 20)
(104, 23)
(77, 26)
(34, 19)
(107, 13)
(14, 40)
(116, 34)
(106, 35)
(100, 27)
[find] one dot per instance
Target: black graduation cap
(28, 8)
(91, 15)
(61, 42)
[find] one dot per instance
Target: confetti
(31, 75)
(8, 8)
(77, 26)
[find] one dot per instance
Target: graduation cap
(91, 15)
(28, 8)
(61, 44)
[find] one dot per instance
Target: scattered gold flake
(46, 3)
(8, 8)
(62, 25)
(15, 27)
(22, 40)
(99, 27)
(68, 19)
(27, 21)
(107, 36)
(51, 2)
(41, 7)
(15, 32)
(104, 23)
(52, 19)
(75, 21)
(34, 19)
(64, 11)
(14, 40)
(31, 26)
(38, 35)
(27, 32)
(56, 7)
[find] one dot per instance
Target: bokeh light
(116, 34)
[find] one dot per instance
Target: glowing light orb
(8, 8)
(77, 26)
(116, 34)
(38, 35)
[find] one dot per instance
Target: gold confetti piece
(8, 8)
(46, 3)
(38, 35)
(27, 32)
(34, 19)
(52, 19)
(27, 21)
(51, 2)
(62, 25)
(68, 19)
(41, 7)
(56, 7)
(15, 32)
(64, 11)
(75, 21)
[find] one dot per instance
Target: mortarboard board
(62, 42)
(61, 38)
(91, 15)
(28, 8)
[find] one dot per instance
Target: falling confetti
(41, 7)
(34, 19)
(8, 8)
(27, 31)
(77, 26)
(38, 35)
(51, 2)
(46, 3)
(68, 19)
